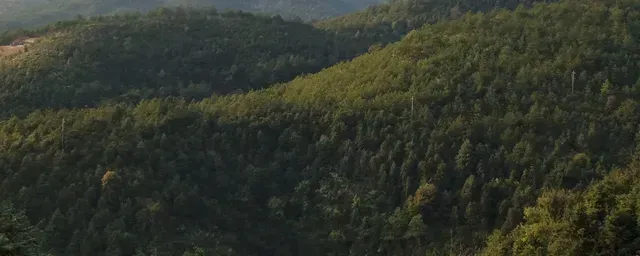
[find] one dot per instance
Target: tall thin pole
(411, 124)
(62, 133)
(573, 80)
(412, 98)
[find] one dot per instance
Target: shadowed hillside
(110, 58)
(167, 52)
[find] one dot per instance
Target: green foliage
(433, 145)
(168, 52)
(389, 22)
(177, 52)
(603, 220)
(17, 236)
(29, 13)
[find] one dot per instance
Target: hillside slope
(158, 63)
(603, 220)
(418, 12)
(389, 22)
(167, 52)
(28, 13)
(424, 147)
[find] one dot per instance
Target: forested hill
(28, 13)
(166, 52)
(389, 22)
(601, 220)
(178, 52)
(418, 12)
(425, 147)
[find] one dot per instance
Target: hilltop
(168, 52)
(389, 22)
(164, 53)
(415, 13)
(29, 13)
(424, 147)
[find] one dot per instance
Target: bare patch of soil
(10, 50)
(7, 50)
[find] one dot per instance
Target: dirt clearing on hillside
(10, 50)
(16, 46)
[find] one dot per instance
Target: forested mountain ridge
(177, 52)
(166, 52)
(418, 12)
(389, 22)
(28, 13)
(426, 146)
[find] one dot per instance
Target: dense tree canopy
(603, 220)
(17, 236)
(186, 53)
(26, 13)
(387, 23)
(167, 52)
(491, 133)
